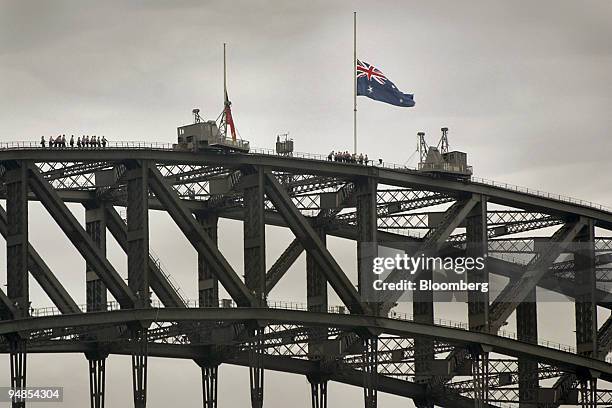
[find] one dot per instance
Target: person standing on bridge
(50, 141)
(63, 140)
(71, 141)
(79, 142)
(86, 141)
(104, 141)
(42, 141)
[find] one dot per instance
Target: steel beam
(254, 228)
(7, 308)
(16, 180)
(432, 243)
(515, 292)
(527, 331)
(256, 368)
(196, 235)
(208, 284)
(97, 379)
(139, 366)
(565, 361)
(95, 224)
(282, 264)
(209, 386)
(80, 239)
(370, 371)
(476, 247)
(138, 231)
(18, 358)
(401, 178)
(313, 245)
(160, 284)
(316, 284)
(43, 275)
(318, 393)
(367, 241)
(586, 303)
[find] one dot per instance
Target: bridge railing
(540, 193)
(299, 306)
(119, 144)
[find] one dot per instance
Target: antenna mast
(226, 115)
(422, 147)
(444, 140)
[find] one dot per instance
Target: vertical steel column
(208, 285)
(256, 368)
(370, 371)
(95, 224)
(477, 247)
(367, 250)
(585, 302)
(588, 393)
(316, 284)
(255, 272)
(527, 331)
(317, 301)
(18, 357)
(138, 269)
(97, 384)
(255, 234)
(208, 296)
(423, 311)
(318, 392)
(139, 366)
(16, 180)
(209, 385)
(138, 232)
(367, 241)
(480, 377)
(585, 307)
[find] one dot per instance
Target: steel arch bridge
(366, 344)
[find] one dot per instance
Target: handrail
(141, 145)
(299, 306)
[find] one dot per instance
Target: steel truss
(314, 200)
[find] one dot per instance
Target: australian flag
(371, 82)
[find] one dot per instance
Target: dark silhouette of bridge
(367, 344)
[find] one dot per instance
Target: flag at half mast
(371, 82)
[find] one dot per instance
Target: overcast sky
(525, 88)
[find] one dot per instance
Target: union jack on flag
(371, 82)
(370, 71)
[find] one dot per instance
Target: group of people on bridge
(346, 157)
(81, 142)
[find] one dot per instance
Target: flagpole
(224, 76)
(355, 82)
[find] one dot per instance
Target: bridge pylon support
(97, 379)
(18, 357)
(480, 377)
(208, 284)
(210, 375)
(16, 180)
(588, 393)
(139, 367)
(256, 368)
(370, 371)
(318, 391)
(527, 328)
